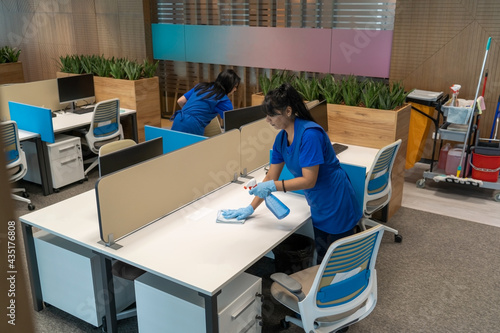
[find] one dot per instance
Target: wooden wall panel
(439, 43)
(45, 30)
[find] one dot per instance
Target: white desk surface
(358, 155)
(65, 121)
(26, 135)
(187, 246)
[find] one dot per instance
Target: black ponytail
(226, 81)
(277, 100)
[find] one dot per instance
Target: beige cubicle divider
(257, 140)
(38, 93)
(136, 196)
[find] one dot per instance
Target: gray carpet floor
(443, 277)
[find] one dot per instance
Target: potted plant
(133, 82)
(372, 114)
(11, 69)
(270, 83)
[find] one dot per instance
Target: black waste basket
(294, 254)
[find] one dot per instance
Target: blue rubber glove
(239, 214)
(262, 190)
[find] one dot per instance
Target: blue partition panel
(357, 175)
(34, 119)
(172, 140)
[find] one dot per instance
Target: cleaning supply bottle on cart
(443, 155)
(278, 208)
(454, 94)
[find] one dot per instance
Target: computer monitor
(75, 88)
(129, 156)
(239, 117)
(319, 113)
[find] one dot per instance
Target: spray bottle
(278, 208)
(454, 94)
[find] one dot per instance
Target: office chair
(337, 293)
(378, 188)
(17, 166)
(213, 128)
(104, 128)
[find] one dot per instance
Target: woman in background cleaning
(204, 102)
(305, 148)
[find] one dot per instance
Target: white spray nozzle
(455, 88)
(251, 184)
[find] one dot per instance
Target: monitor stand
(72, 107)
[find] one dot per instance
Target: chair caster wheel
(284, 324)
(342, 330)
(31, 207)
(56, 190)
(398, 238)
(86, 178)
(26, 195)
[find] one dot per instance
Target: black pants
(324, 239)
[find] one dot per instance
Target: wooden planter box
(257, 99)
(141, 95)
(374, 128)
(11, 72)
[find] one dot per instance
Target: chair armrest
(289, 284)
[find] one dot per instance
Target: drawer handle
(65, 148)
(68, 161)
(242, 308)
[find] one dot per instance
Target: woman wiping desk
(306, 150)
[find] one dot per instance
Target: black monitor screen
(129, 156)
(319, 114)
(75, 88)
(239, 117)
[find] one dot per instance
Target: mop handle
(474, 101)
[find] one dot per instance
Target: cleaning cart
(472, 161)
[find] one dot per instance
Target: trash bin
(294, 254)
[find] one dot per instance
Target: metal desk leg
(108, 294)
(44, 166)
(29, 246)
(211, 312)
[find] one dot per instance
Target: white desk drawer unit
(70, 278)
(163, 306)
(65, 158)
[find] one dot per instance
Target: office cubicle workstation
(41, 117)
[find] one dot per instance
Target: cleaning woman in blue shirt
(204, 102)
(305, 148)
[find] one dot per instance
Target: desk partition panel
(172, 140)
(130, 199)
(34, 119)
(40, 93)
(257, 139)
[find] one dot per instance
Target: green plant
(9, 54)
(117, 69)
(133, 70)
(276, 80)
(87, 64)
(149, 68)
(329, 88)
(398, 94)
(351, 90)
(307, 88)
(369, 93)
(101, 66)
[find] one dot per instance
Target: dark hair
(223, 85)
(282, 97)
